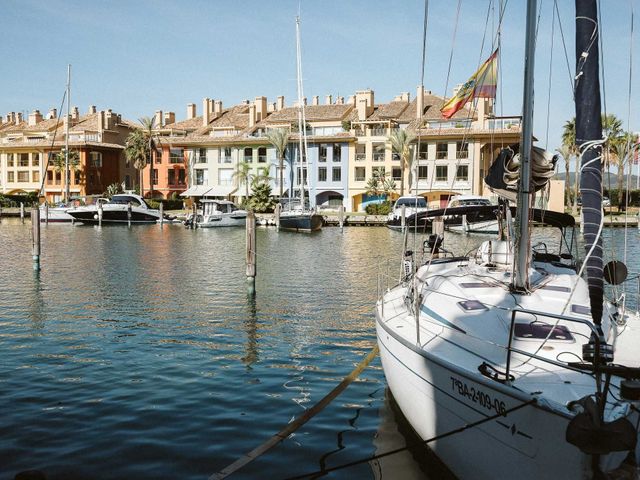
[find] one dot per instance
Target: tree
(401, 144)
(261, 200)
(136, 152)
(113, 189)
(148, 125)
(244, 176)
(565, 152)
(621, 153)
(60, 158)
(279, 138)
(569, 140)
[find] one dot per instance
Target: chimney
(252, 114)
(279, 103)
(271, 107)
(169, 118)
(405, 97)
(340, 101)
(18, 118)
(75, 113)
(191, 111)
(108, 120)
(315, 100)
(205, 112)
(217, 108)
(261, 108)
(92, 109)
(158, 119)
(328, 100)
(351, 100)
(101, 120)
(53, 113)
(419, 101)
(34, 118)
(364, 103)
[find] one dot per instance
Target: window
(442, 173)
(10, 160)
(322, 174)
(23, 177)
(10, 177)
(35, 176)
(95, 159)
(262, 155)
(396, 173)
(154, 179)
(158, 156)
(462, 172)
(176, 155)
(379, 171)
(171, 180)
(59, 178)
(23, 160)
(248, 154)
(305, 175)
(77, 175)
(462, 150)
(336, 174)
(91, 179)
(337, 153)
(199, 177)
(35, 160)
(50, 176)
(361, 153)
(360, 174)
(181, 176)
(202, 156)
(423, 172)
(127, 182)
(225, 176)
(378, 152)
(442, 150)
(322, 153)
(424, 151)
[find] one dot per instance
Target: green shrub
(383, 208)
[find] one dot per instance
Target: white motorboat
(57, 213)
(413, 204)
(218, 213)
(122, 208)
(506, 361)
(474, 222)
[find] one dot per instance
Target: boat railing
(511, 349)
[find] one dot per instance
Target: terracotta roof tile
(313, 113)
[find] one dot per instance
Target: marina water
(137, 353)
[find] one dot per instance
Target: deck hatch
(472, 305)
(540, 331)
(474, 285)
(581, 309)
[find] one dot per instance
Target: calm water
(136, 353)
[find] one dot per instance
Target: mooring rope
(414, 444)
(298, 422)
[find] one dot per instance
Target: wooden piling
(35, 238)
(276, 213)
(437, 226)
(22, 212)
(194, 215)
(251, 253)
(46, 213)
(403, 217)
(161, 213)
(128, 214)
(341, 217)
(100, 213)
(0, 211)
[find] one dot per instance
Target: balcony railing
(462, 154)
(262, 158)
(176, 159)
(202, 159)
(361, 157)
(441, 155)
(378, 157)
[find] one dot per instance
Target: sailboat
(506, 361)
(296, 216)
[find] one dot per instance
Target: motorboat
(57, 213)
(120, 208)
(473, 222)
(218, 213)
(413, 204)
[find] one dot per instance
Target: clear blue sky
(140, 56)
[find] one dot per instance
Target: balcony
(201, 159)
(505, 123)
(462, 155)
(378, 157)
(176, 159)
(361, 157)
(441, 155)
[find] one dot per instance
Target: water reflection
(251, 329)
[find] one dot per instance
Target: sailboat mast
(521, 274)
(588, 129)
(302, 139)
(66, 137)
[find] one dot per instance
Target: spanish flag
(482, 84)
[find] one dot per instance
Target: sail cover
(504, 172)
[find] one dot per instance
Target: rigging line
(564, 46)
(464, 427)
(553, 24)
(53, 140)
(298, 422)
(628, 142)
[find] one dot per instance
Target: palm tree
(262, 176)
(569, 140)
(59, 160)
(136, 152)
(401, 144)
(148, 125)
(565, 152)
(279, 138)
(243, 175)
(621, 150)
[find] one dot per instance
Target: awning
(195, 191)
(219, 191)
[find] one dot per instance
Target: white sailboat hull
(437, 397)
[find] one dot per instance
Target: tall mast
(66, 137)
(302, 127)
(588, 129)
(521, 274)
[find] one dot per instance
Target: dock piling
(251, 253)
(403, 217)
(341, 217)
(35, 238)
(22, 212)
(276, 212)
(161, 213)
(128, 213)
(46, 213)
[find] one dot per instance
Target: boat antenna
(66, 137)
(521, 267)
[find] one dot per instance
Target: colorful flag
(482, 84)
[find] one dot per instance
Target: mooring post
(194, 215)
(128, 214)
(251, 253)
(437, 226)
(403, 216)
(35, 237)
(341, 217)
(161, 213)
(22, 212)
(46, 212)
(0, 210)
(276, 212)
(100, 213)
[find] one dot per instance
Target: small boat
(121, 208)
(57, 214)
(474, 222)
(218, 213)
(412, 204)
(298, 219)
